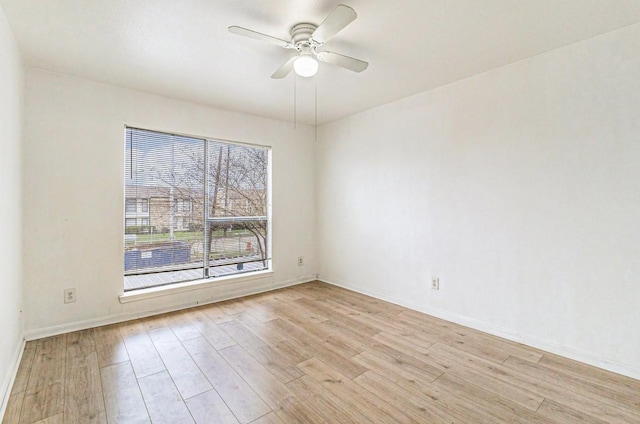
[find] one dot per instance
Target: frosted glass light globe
(305, 66)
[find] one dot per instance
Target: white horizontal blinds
(164, 199)
(237, 208)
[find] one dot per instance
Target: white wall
(73, 205)
(519, 188)
(11, 100)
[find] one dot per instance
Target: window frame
(186, 214)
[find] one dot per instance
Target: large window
(194, 208)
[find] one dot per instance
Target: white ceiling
(182, 49)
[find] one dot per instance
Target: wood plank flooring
(312, 353)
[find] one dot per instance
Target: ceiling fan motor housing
(301, 35)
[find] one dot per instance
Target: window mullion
(205, 212)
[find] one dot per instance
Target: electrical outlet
(435, 283)
(69, 295)
(300, 260)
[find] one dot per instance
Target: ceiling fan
(306, 38)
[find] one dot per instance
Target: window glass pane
(130, 205)
(160, 169)
(237, 192)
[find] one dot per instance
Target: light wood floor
(307, 354)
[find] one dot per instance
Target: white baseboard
(533, 341)
(230, 292)
(7, 384)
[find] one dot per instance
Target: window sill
(142, 294)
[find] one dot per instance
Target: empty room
(252, 211)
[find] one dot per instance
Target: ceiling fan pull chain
(294, 104)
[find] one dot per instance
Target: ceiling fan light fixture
(305, 66)
(305, 39)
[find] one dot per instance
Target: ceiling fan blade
(338, 19)
(285, 69)
(346, 62)
(260, 36)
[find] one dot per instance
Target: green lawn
(185, 236)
